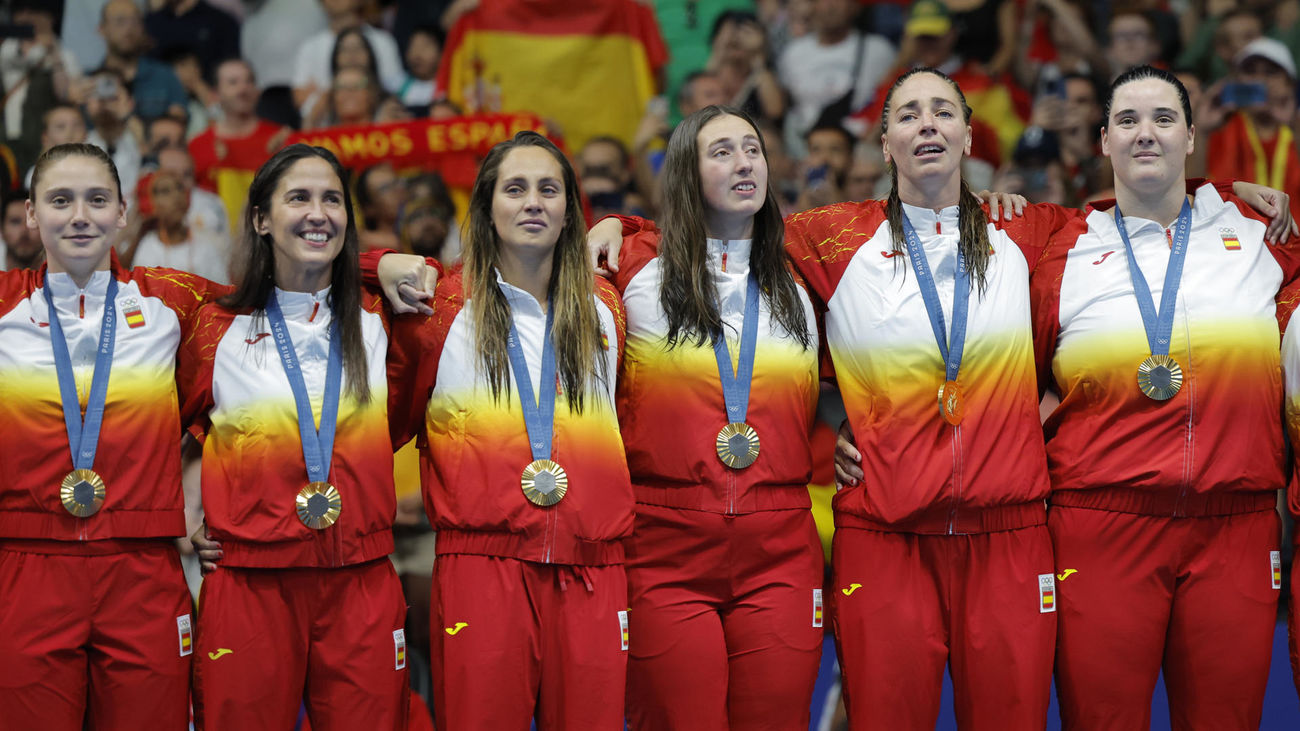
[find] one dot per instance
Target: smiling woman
(291, 377)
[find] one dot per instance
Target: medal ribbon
(317, 446)
(1159, 327)
(950, 348)
(83, 437)
(735, 385)
(539, 411)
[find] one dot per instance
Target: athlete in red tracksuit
(529, 607)
(724, 566)
(941, 552)
(1163, 511)
(95, 616)
(304, 605)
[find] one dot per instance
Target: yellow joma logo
(852, 588)
(220, 653)
(453, 630)
(1066, 574)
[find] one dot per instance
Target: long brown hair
(687, 291)
(972, 224)
(576, 330)
(256, 280)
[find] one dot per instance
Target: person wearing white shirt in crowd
(311, 71)
(207, 214)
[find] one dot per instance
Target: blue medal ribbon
(735, 384)
(1160, 326)
(539, 411)
(83, 437)
(317, 445)
(950, 347)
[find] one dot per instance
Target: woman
(287, 376)
(524, 473)
(1158, 327)
(941, 553)
(724, 566)
(93, 503)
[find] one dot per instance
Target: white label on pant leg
(399, 649)
(1046, 593)
(817, 607)
(185, 633)
(622, 629)
(1275, 558)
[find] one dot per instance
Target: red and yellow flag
(589, 66)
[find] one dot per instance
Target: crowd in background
(180, 92)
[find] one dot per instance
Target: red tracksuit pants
(1196, 596)
(271, 639)
(103, 641)
(906, 604)
(726, 619)
(513, 640)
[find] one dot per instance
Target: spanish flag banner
(451, 146)
(588, 66)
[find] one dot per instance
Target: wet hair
(687, 293)
(972, 224)
(576, 330)
(74, 149)
(1139, 73)
(255, 283)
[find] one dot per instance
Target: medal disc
(82, 493)
(737, 445)
(952, 407)
(544, 482)
(1160, 377)
(318, 505)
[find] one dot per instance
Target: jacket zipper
(956, 479)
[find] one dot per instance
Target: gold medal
(82, 493)
(1160, 377)
(318, 505)
(737, 445)
(544, 482)
(952, 407)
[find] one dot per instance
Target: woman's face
(927, 134)
(1147, 136)
(170, 199)
(733, 175)
(353, 97)
(528, 202)
(352, 53)
(77, 208)
(306, 221)
(422, 53)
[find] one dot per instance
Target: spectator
(167, 241)
(604, 171)
(206, 215)
(1257, 142)
(740, 60)
(162, 133)
(1055, 39)
(228, 154)
(1132, 41)
(270, 37)
(419, 88)
(427, 225)
(351, 51)
(212, 35)
(61, 123)
(866, 173)
(830, 149)
(1036, 171)
(988, 32)
(152, 85)
(38, 66)
(21, 248)
(354, 99)
(1218, 40)
(380, 196)
(200, 96)
(114, 127)
(832, 71)
(312, 68)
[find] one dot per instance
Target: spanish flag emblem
(1230, 240)
(1046, 593)
(132, 312)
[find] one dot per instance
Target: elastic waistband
(964, 520)
(707, 497)
(106, 547)
(318, 551)
(1167, 503)
(564, 550)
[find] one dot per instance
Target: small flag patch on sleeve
(1275, 558)
(399, 649)
(817, 608)
(622, 629)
